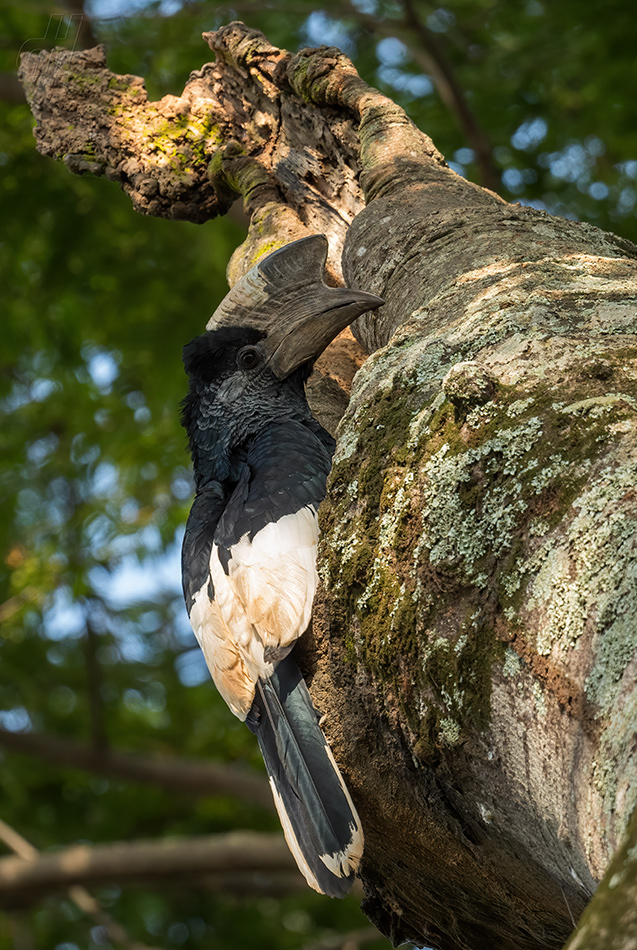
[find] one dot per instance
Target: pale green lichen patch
(439, 521)
(512, 665)
(461, 523)
(539, 698)
(449, 731)
(599, 404)
(617, 746)
(568, 586)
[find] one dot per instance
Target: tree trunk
(474, 640)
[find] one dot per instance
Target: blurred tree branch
(80, 897)
(349, 941)
(85, 37)
(178, 775)
(13, 604)
(249, 855)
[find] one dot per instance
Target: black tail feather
(318, 817)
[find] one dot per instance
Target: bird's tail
(318, 816)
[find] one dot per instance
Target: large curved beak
(285, 297)
(303, 331)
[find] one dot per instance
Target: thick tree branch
(157, 152)
(179, 775)
(237, 130)
(191, 156)
(427, 51)
(218, 861)
(435, 61)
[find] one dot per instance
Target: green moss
(185, 141)
(120, 84)
(382, 445)
(377, 599)
(266, 248)
(83, 80)
(456, 674)
(301, 82)
(435, 519)
(385, 615)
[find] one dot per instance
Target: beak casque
(286, 297)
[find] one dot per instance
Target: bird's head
(261, 343)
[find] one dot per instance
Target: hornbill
(260, 463)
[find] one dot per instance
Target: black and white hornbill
(248, 561)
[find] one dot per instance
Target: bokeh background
(534, 99)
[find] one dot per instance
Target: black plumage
(261, 463)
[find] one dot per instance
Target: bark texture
(610, 920)
(474, 641)
(232, 132)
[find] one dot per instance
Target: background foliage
(536, 99)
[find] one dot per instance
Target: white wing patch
(274, 577)
(223, 656)
(265, 603)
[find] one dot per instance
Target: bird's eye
(248, 357)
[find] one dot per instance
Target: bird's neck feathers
(209, 442)
(225, 409)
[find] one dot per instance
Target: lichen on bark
(519, 513)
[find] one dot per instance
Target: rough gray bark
(474, 642)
